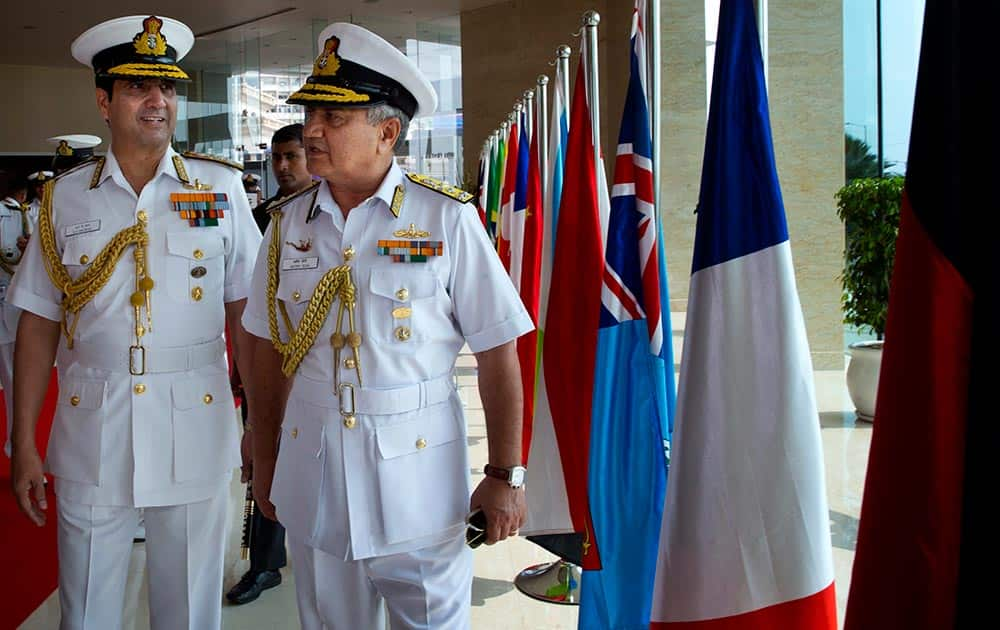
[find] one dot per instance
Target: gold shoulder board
(448, 190)
(213, 158)
(278, 203)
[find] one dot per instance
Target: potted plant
(869, 208)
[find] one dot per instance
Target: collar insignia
(182, 173)
(397, 201)
(412, 232)
(150, 41)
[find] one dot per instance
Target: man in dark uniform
(267, 537)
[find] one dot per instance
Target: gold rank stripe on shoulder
(277, 204)
(182, 173)
(213, 158)
(437, 185)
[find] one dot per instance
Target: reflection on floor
(496, 604)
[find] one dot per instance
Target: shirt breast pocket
(196, 266)
(78, 255)
(400, 307)
(295, 289)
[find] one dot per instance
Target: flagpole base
(555, 582)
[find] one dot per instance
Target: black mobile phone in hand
(475, 533)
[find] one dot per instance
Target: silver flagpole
(590, 21)
(562, 63)
(529, 114)
(542, 129)
(653, 37)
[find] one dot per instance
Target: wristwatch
(514, 476)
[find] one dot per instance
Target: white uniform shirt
(397, 477)
(11, 228)
(164, 437)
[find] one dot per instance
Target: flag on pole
(634, 380)
(527, 345)
(746, 535)
(508, 195)
(558, 134)
(482, 184)
(515, 226)
(558, 500)
(926, 540)
(496, 186)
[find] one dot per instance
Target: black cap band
(363, 80)
(125, 54)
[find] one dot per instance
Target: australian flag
(634, 388)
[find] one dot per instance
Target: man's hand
(264, 469)
(505, 508)
(28, 482)
(22, 242)
(246, 454)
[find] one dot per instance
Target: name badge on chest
(86, 227)
(295, 264)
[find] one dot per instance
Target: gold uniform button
(402, 333)
(84, 259)
(350, 363)
(350, 422)
(295, 433)
(198, 254)
(141, 215)
(196, 294)
(296, 295)
(349, 253)
(208, 399)
(139, 388)
(75, 400)
(421, 443)
(402, 295)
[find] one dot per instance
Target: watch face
(517, 476)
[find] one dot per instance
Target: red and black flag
(927, 542)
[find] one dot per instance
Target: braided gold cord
(78, 293)
(335, 283)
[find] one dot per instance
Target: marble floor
(496, 603)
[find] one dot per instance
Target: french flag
(745, 540)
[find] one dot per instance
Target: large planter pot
(862, 376)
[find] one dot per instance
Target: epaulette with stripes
(280, 202)
(99, 161)
(437, 185)
(213, 158)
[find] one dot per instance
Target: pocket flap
(82, 394)
(389, 283)
(191, 392)
(195, 244)
(404, 438)
(295, 287)
(74, 250)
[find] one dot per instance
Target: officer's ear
(389, 129)
(103, 103)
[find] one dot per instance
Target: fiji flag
(634, 381)
(745, 540)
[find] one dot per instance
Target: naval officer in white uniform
(367, 286)
(16, 225)
(140, 260)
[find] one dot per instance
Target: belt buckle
(140, 352)
(346, 387)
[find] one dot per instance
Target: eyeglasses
(475, 534)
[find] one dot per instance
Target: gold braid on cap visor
(158, 70)
(328, 93)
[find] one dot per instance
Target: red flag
(926, 541)
(507, 197)
(573, 316)
(527, 345)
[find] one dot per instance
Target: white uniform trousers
(430, 588)
(184, 557)
(7, 382)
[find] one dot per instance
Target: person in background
(129, 282)
(16, 225)
(267, 537)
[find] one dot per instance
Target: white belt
(375, 402)
(154, 360)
